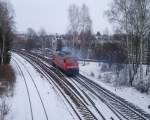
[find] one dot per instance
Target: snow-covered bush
(119, 75)
(149, 90)
(99, 64)
(104, 68)
(142, 87)
(4, 108)
(107, 78)
(123, 77)
(92, 74)
(99, 76)
(149, 107)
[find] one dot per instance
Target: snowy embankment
(55, 107)
(101, 74)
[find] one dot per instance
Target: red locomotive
(66, 63)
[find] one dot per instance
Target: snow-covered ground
(55, 106)
(101, 74)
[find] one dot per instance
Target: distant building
(20, 40)
(102, 39)
(116, 38)
(21, 37)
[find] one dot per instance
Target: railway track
(17, 61)
(119, 106)
(124, 108)
(72, 82)
(86, 90)
(51, 82)
(24, 79)
(73, 94)
(32, 79)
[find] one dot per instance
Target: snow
(98, 72)
(55, 104)
(103, 109)
(53, 97)
(55, 107)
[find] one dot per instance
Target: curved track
(28, 89)
(125, 109)
(52, 82)
(121, 108)
(71, 94)
(118, 105)
(24, 79)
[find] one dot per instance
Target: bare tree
(74, 22)
(42, 34)
(85, 20)
(85, 28)
(31, 39)
(132, 16)
(6, 30)
(80, 27)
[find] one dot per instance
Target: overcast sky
(52, 15)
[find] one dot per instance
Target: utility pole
(3, 45)
(3, 49)
(1, 52)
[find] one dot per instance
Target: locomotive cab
(66, 63)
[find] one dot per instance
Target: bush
(107, 78)
(7, 73)
(92, 74)
(99, 76)
(4, 108)
(7, 80)
(142, 87)
(104, 68)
